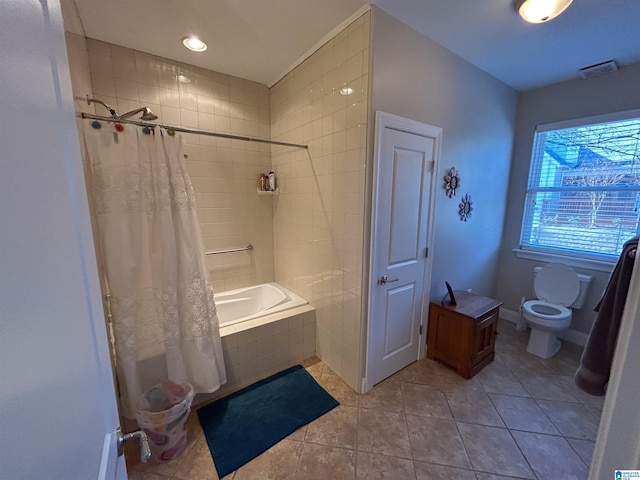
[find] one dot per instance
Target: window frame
(590, 260)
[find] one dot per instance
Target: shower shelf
(268, 192)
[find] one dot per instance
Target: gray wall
(416, 78)
(567, 100)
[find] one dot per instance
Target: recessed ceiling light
(194, 43)
(182, 78)
(540, 11)
(346, 91)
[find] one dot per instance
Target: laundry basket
(162, 413)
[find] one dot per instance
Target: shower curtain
(164, 318)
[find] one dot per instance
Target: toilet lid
(557, 283)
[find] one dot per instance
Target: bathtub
(264, 329)
(243, 304)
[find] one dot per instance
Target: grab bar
(230, 250)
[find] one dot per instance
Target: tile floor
(521, 417)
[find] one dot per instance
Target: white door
(401, 238)
(58, 411)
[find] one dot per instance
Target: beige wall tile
(230, 212)
(306, 106)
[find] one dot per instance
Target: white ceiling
(262, 39)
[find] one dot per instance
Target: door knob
(384, 280)
(145, 451)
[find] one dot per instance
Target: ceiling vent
(599, 69)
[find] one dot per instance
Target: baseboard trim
(571, 336)
(365, 386)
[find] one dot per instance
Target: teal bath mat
(246, 423)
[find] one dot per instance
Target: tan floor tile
(384, 396)
(492, 450)
(383, 432)
(584, 448)
(563, 363)
(428, 471)
(194, 429)
(370, 466)
(582, 396)
(522, 413)
(572, 419)
(134, 475)
(425, 400)
(595, 411)
(314, 366)
(547, 387)
(338, 389)
(336, 428)
(473, 407)
(500, 380)
(460, 385)
(449, 380)
(490, 476)
(197, 463)
(299, 434)
(320, 462)
(521, 363)
(510, 347)
(280, 461)
(436, 440)
(424, 371)
(436, 373)
(551, 457)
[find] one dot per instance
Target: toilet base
(543, 344)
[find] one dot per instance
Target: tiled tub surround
(319, 215)
(257, 348)
(224, 172)
(428, 423)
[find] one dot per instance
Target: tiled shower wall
(319, 215)
(224, 172)
(317, 221)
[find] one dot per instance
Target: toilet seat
(544, 309)
(536, 311)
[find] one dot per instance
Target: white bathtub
(243, 304)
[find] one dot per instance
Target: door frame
(383, 121)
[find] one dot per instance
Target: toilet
(558, 288)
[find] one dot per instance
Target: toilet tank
(585, 281)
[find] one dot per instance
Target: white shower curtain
(164, 318)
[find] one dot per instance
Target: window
(583, 195)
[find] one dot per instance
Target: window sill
(589, 264)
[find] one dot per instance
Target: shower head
(147, 114)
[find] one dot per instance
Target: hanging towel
(595, 365)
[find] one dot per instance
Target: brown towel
(595, 365)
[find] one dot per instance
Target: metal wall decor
(451, 182)
(465, 207)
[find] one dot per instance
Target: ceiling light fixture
(346, 91)
(182, 78)
(540, 11)
(194, 43)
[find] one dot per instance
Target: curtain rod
(191, 130)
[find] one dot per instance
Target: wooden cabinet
(463, 336)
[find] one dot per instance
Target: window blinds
(583, 194)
